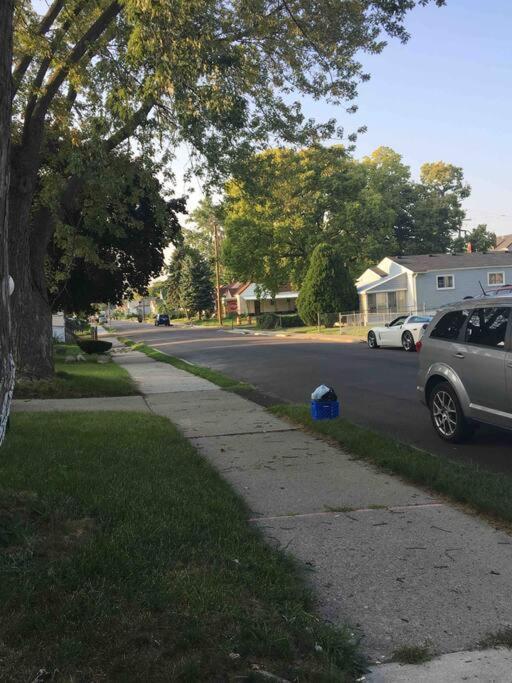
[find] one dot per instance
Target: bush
(93, 346)
(273, 321)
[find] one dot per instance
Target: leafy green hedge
(272, 321)
(93, 346)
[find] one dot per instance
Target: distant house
(252, 299)
(504, 243)
(142, 306)
(424, 283)
(231, 297)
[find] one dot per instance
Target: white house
(252, 299)
(405, 284)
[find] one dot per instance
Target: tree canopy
(287, 202)
(114, 240)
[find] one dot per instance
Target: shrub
(291, 320)
(272, 321)
(93, 346)
(268, 321)
(327, 288)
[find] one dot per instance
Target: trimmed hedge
(93, 346)
(273, 321)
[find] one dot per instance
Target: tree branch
(94, 32)
(47, 60)
(130, 126)
(43, 28)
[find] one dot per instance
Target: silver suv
(465, 374)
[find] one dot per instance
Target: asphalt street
(376, 388)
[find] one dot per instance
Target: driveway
(376, 388)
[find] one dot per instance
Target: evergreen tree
(196, 289)
(327, 288)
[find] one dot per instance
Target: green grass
(79, 379)
(486, 492)
(412, 654)
(206, 373)
(125, 557)
(501, 638)
(347, 330)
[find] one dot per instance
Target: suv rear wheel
(447, 416)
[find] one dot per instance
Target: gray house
(424, 283)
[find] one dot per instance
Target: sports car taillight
(418, 346)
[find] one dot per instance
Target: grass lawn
(349, 330)
(78, 379)
(206, 373)
(125, 557)
(486, 492)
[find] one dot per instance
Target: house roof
(389, 283)
(504, 242)
(378, 270)
(425, 262)
(254, 292)
(233, 288)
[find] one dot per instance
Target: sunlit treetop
(224, 76)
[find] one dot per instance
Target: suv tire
(447, 416)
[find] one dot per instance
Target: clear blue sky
(446, 94)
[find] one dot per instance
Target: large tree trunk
(32, 322)
(6, 358)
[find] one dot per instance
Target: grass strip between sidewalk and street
(125, 556)
(485, 491)
(213, 376)
(78, 379)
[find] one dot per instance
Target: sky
(445, 95)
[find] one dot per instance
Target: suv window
(488, 327)
(449, 326)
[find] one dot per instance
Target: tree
(202, 235)
(214, 74)
(328, 287)
(287, 202)
(479, 239)
(6, 358)
(195, 284)
(436, 212)
(115, 241)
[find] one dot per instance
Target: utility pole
(217, 271)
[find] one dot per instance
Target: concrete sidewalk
(384, 556)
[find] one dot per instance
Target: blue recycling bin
(325, 410)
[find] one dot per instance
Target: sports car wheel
(372, 340)
(408, 342)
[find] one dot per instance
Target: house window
(496, 278)
(445, 282)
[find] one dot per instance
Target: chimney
(469, 248)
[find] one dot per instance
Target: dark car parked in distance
(162, 319)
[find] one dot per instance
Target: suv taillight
(418, 346)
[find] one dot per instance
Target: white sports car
(405, 331)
